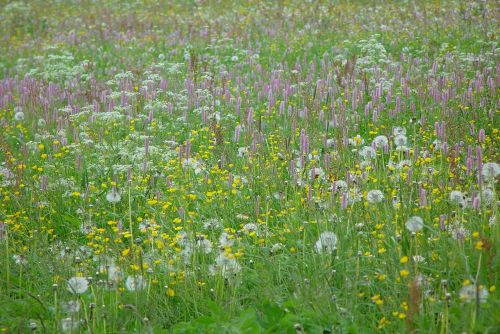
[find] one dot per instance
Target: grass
(210, 167)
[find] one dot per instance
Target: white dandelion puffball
(78, 285)
(72, 306)
(490, 170)
(242, 151)
(375, 196)
(212, 224)
(114, 273)
(398, 131)
(414, 224)
(135, 283)
(317, 173)
(367, 152)
(251, 227)
(326, 243)
(469, 293)
(380, 141)
(488, 195)
(400, 140)
(341, 185)
(69, 325)
(225, 240)
(113, 197)
(19, 116)
(227, 265)
(277, 247)
(457, 197)
(204, 245)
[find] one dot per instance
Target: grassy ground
(249, 167)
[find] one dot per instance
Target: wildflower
(204, 245)
(242, 151)
(113, 197)
(458, 232)
(277, 247)
(340, 186)
(135, 283)
(250, 227)
(182, 239)
(78, 285)
(400, 140)
(225, 240)
(326, 243)
(212, 224)
(380, 141)
(490, 170)
(414, 224)
(377, 300)
(418, 258)
(374, 196)
(72, 306)
(367, 152)
(398, 131)
(356, 141)
(68, 325)
(457, 197)
(114, 274)
(469, 293)
(488, 195)
(227, 265)
(194, 164)
(19, 259)
(317, 173)
(19, 115)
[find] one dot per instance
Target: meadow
(250, 166)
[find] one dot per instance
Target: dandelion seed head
(414, 224)
(374, 196)
(326, 243)
(77, 285)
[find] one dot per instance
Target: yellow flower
(404, 273)
(170, 292)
